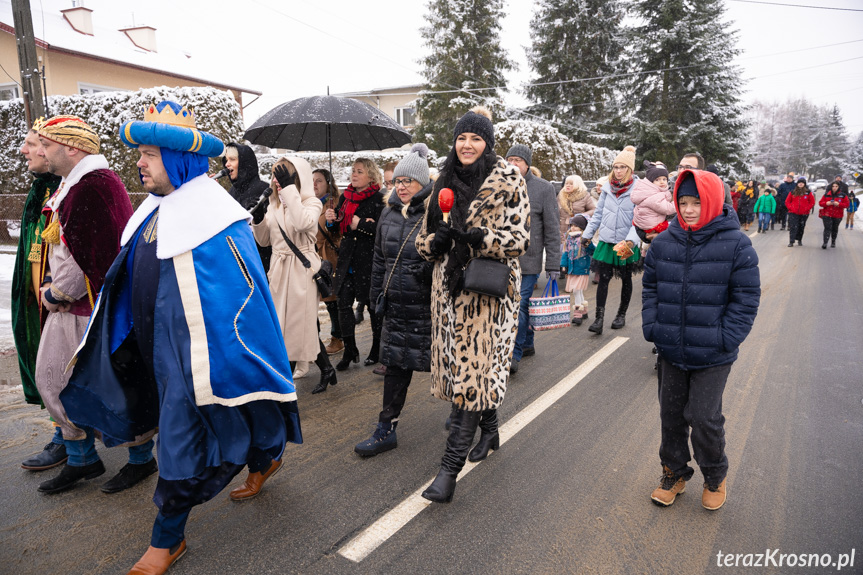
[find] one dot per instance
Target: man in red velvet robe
(84, 220)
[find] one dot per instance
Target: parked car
(818, 185)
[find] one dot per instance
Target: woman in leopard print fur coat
(473, 335)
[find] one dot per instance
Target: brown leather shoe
(156, 561)
(254, 482)
(335, 346)
(669, 488)
(714, 498)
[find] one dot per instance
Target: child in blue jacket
(576, 260)
(701, 291)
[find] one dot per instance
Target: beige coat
(295, 294)
(570, 207)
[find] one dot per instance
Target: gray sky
(295, 48)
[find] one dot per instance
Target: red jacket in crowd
(833, 211)
(800, 205)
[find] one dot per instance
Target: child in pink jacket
(653, 203)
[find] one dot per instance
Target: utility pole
(28, 62)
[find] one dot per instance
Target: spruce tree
(833, 154)
(694, 103)
(466, 62)
(575, 39)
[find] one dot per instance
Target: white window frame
(87, 89)
(400, 115)
(10, 87)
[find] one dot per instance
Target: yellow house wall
(388, 104)
(64, 72)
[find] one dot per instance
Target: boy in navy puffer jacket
(701, 290)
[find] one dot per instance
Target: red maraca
(445, 200)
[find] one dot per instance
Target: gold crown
(184, 118)
(38, 123)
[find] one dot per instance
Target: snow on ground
(7, 264)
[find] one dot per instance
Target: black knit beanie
(687, 187)
(475, 124)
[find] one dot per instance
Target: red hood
(711, 192)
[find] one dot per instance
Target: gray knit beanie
(414, 165)
(520, 151)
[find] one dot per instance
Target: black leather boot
(328, 374)
(461, 432)
(449, 417)
(619, 319)
(596, 326)
(70, 475)
(489, 438)
(53, 455)
(351, 353)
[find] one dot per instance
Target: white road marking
(753, 234)
(389, 524)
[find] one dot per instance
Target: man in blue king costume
(185, 337)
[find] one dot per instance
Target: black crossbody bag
(323, 277)
(486, 276)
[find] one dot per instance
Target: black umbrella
(327, 124)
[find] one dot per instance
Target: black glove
(585, 241)
(258, 215)
(472, 237)
(642, 235)
(443, 237)
(283, 176)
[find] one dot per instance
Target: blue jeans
(524, 337)
(140, 454)
(58, 436)
(83, 452)
(764, 220)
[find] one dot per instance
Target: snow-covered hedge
(553, 153)
(216, 112)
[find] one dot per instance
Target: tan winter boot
(335, 346)
(713, 498)
(669, 488)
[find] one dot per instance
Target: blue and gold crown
(170, 125)
(166, 113)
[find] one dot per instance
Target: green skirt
(606, 260)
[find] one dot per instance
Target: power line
(796, 5)
(809, 67)
(801, 50)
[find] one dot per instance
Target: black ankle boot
(489, 438)
(351, 353)
(462, 430)
(619, 319)
(596, 326)
(328, 374)
(70, 475)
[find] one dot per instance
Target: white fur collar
(188, 216)
(89, 163)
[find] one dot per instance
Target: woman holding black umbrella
(357, 214)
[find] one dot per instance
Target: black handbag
(487, 276)
(381, 302)
(323, 277)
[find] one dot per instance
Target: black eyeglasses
(403, 182)
(681, 167)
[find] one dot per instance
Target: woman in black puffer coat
(247, 188)
(401, 280)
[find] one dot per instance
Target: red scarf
(352, 201)
(619, 188)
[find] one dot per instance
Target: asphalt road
(569, 493)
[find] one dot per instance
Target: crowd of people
(183, 311)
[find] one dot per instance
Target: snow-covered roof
(380, 91)
(108, 42)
